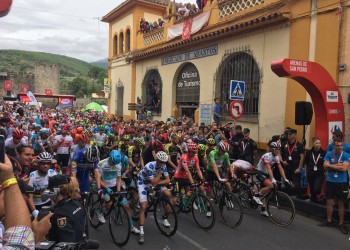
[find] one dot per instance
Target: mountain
(23, 61)
(103, 63)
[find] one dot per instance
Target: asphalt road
(255, 232)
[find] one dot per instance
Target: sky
(65, 27)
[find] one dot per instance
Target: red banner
(24, 98)
(48, 91)
(186, 32)
(24, 88)
(8, 85)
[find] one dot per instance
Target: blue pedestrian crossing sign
(237, 90)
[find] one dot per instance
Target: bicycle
(199, 204)
(230, 206)
(162, 209)
(117, 217)
(84, 244)
(279, 206)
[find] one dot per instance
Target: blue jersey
(337, 176)
(82, 169)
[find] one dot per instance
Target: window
(115, 45)
(241, 66)
(121, 43)
(127, 41)
(152, 90)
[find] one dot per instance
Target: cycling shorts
(143, 189)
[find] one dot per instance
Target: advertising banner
(64, 102)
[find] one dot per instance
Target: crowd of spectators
(147, 26)
(183, 11)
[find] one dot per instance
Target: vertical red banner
(187, 28)
(8, 85)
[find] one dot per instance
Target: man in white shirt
(62, 145)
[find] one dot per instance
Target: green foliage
(81, 86)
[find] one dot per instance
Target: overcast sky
(66, 27)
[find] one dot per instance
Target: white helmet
(162, 156)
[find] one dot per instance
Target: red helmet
(80, 130)
(83, 137)
(73, 132)
(192, 147)
(18, 133)
(224, 146)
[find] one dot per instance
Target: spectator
(314, 168)
(247, 147)
(336, 163)
(217, 111)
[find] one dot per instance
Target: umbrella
(94, 106)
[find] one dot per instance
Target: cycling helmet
(44, 156)
(202, 147)
(73, 133)
(139, 141)
(224, 146)
(126, 137)
(192, 147)
(18, 133)
(44, 130)
(162, 156)
(92, 153)
(175, 135)
(211, 141)
(37, 126)
(160, 139)
(274, 145)
(101, 128)
(115, 156)
(79, 130)
(82, 137)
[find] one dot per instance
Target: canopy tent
(94, 106)
(105, 108)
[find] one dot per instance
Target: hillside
(23, 61)
(103, 63)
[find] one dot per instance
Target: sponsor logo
(332, 96)
(65, 101)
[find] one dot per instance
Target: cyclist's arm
(189, 175)
(216, 170)
(155, 181)
(281, 171)
(198, 170)
(171, 163)
(165, 181)
(269, 170)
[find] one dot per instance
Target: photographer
(68, 221)
(218, 134)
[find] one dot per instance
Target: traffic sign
(237, 90)
(236, 109)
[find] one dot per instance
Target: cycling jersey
(174, 152)
(135, 154)
(123, 148)
(66, 142)
(82, 167)
(269, 159)
(242, 165)
(144, 177)
(10, 144)
(201, 159)
(100, 139)
(214, 157)
(39, 183)
(109, 172)
(186, 162)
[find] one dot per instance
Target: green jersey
(214, 157)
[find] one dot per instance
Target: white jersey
(10, 144)
(100, 139)
(109, 172)
(40, 183)
(242, 165)
(63, 148)
(269, 159)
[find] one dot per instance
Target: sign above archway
(324, 92)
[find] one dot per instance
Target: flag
(186, 32)
(8, 85)
(33, 99)
(48, 91)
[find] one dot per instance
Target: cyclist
(150, 176)
(173, 150)
(211, 145)
(217, 158)
(265, 173)
(135, 154)
(100, 139)
(39, 180)
(202, 156)
(124, 144)
(110, 170)
(149, 154)
(188, 165)
(82, 162)
(16, 140)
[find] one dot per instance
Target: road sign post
(236, 109)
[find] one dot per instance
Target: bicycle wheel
(134, 204)
(92, 214)
(246, 196)
(165, 217)
(119, 225)
(280, 208)
(231, 211)
(200, 207)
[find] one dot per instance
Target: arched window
(152, 90)
(241, 66)
(115, 45)
(127, 40)
(121, 43)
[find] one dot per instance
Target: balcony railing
(153, 36)
(229, 7)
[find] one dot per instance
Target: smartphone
(2, 149)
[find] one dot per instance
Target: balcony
(229, 7)
(153, 36)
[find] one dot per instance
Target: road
(255, 232)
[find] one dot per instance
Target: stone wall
(18, 79)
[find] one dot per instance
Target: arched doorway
(240, 66)
(152, 90)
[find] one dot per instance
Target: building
(229, 40)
